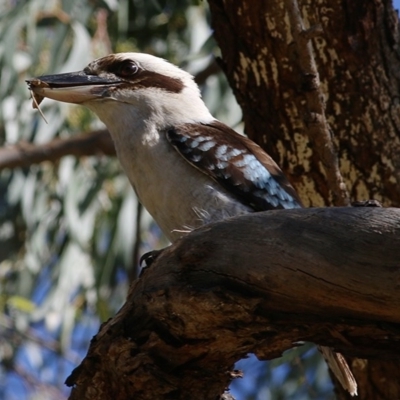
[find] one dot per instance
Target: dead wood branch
(253, 284)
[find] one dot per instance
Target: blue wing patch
(235, 162)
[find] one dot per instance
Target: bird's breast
(178, 196)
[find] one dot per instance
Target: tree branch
(316, 275)
(25, 154)
(315, 120)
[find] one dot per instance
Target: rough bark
(358, 60)
(314, 118)
(256, 283)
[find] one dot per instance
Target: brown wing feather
(236, 162)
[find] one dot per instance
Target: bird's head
(138, 86)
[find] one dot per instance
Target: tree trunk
(217, 294)
(358, 60)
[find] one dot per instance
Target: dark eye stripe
(136, 79)
(150, 79)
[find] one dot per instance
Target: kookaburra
(187, 168)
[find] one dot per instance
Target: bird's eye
(127, 69)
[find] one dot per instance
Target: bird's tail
(340, 368)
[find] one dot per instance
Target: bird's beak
(73, 87)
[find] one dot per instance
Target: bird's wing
(235, 162)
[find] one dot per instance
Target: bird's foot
(148, 259)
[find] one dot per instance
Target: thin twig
(48, 390)
(34, 336)
(211, 69)
(25, 154)
(315, 120)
